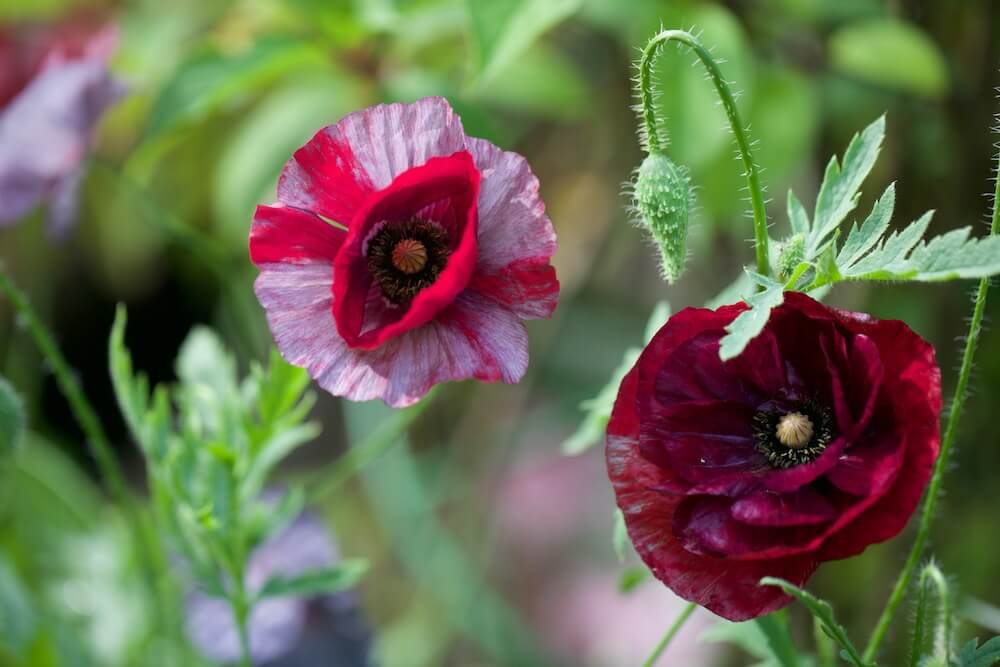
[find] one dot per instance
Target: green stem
(826, 654)
(751, 171)
(241, 614)
(941, 465)
(671, 633)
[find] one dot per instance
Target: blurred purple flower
(47, 118)
(285, 631)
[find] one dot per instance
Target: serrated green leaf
(973, 655)
(323, 581)
(274, 450)
(860, 240)
(892, 53)
(946, 257)
(12, 419)
(839, 192)
(503, 29)
(797, 216)
(823, 612)
(751, 322)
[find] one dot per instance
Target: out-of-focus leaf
(823, 612)
(211, 79)
(264, 139)
(204, 360)
(541, 81)
(619, 535)
(17, 613)
(339, 577)
(751, 638)
(60, 495)
(598, 409)
(892, 53)
(631, 577)
(12, 420)
(503, 29)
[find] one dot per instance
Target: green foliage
(823, 613)
(339, 577)
(17, 614)
(751, 322)
(869, 251)
(892, 53)
(209, 463)
(12, 419)
(661, 206)
(598, 409)
(766, 641)
(503, 29)
(974, 655)
(210, 79)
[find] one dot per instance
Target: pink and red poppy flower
(403, 253)
(814, 443)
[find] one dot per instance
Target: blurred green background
(489, 546)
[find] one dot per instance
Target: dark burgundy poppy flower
(403, 253)
(54, 88)
(814, 443)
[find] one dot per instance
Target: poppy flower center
(792, 437)
(406, 257)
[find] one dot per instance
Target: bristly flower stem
(941, 465)
(751, 171)
(671, 633)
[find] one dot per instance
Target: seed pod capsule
(661, 200)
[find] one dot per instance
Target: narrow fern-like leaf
(751, 322)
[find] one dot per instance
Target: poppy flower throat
(793, 433)
(406, 257)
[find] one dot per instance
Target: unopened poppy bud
(661, 200)
(793, 251)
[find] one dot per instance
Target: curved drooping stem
(751, 171)
(941, 465)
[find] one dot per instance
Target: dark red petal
(865, 379)
(443, 190)
(702, 441)
(766, 508)
(287, 234)
(705, 525)
(727, 587)
(864, 468)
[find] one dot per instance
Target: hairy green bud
(791, 254)
(661, 200)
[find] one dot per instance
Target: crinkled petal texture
(706, 510)
(381, 168)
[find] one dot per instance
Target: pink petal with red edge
(448, 186)
(516, 238)
(364, 152)
(473, 338)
